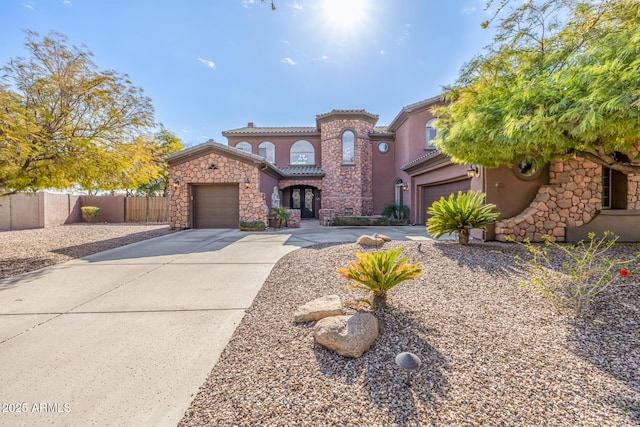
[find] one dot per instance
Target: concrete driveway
(127, 336)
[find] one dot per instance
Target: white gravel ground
(27, 250)
(493, 353)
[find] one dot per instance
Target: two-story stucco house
(347, 165)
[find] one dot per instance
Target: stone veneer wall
(291, 182)
(252, 201)
(347, 186)
(633, 191)
(571, 199)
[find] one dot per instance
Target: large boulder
(349, 336)
(365, 240)
(329, 305)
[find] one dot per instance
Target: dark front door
(304, 198)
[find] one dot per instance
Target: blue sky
(213, 65)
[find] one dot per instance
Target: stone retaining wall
(571, 199)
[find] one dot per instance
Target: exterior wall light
(473, 171)
(247, 183)
(176, 182)
(405, 186)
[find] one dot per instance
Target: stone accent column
(347, 186)
(633, 190)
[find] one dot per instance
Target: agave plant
(379, 272)
(460, 214)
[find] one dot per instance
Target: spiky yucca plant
(379, 272)
(460, 214)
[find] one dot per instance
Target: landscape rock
(319, 308)
(365, 240)
(349, 336)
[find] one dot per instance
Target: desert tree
(561, 78)
(63, 122)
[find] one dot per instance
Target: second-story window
(244, 146)
(302, 153)
(430, 135)
(267, 150)
(348, 145)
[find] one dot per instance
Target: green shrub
(573, 275)
(90, 213)
(252, 226)
(390, 221)
(396, 211)
(352, 220)
(379, 272)
(460, 214)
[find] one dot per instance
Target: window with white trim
(348, 146)
(302, 153)
(267, 150)
(430, 135)
(244, 146)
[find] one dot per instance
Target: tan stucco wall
(383, 176)
(282, 146)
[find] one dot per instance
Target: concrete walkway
(127, 336)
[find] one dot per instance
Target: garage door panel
(216, 206)
(432, 193)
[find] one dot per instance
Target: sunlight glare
(345, 16)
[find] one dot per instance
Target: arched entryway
(303, 197)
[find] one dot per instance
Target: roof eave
(436, 159)
(407, 110)
(213, 146)
(228, 134)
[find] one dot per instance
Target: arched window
(431, 133)
(348, 140)
(267, 150)
(244, 146)
(302, 153)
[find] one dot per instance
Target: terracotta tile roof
(380, 129)
(349, 112)
(407, 109)
(293, 130)
(423, 158)
(301, 170)
(211, 145)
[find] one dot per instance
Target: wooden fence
(147, 209)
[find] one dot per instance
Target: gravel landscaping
(493, 352)
(22, 251)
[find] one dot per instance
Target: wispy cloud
(288, 61)
(324, 57)
(28, 5)
(468, 10)
(185, 131)
(382, 52)
(296, 5)
(247, 3)
(405, 34)
(208, 63)
(67, 3)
